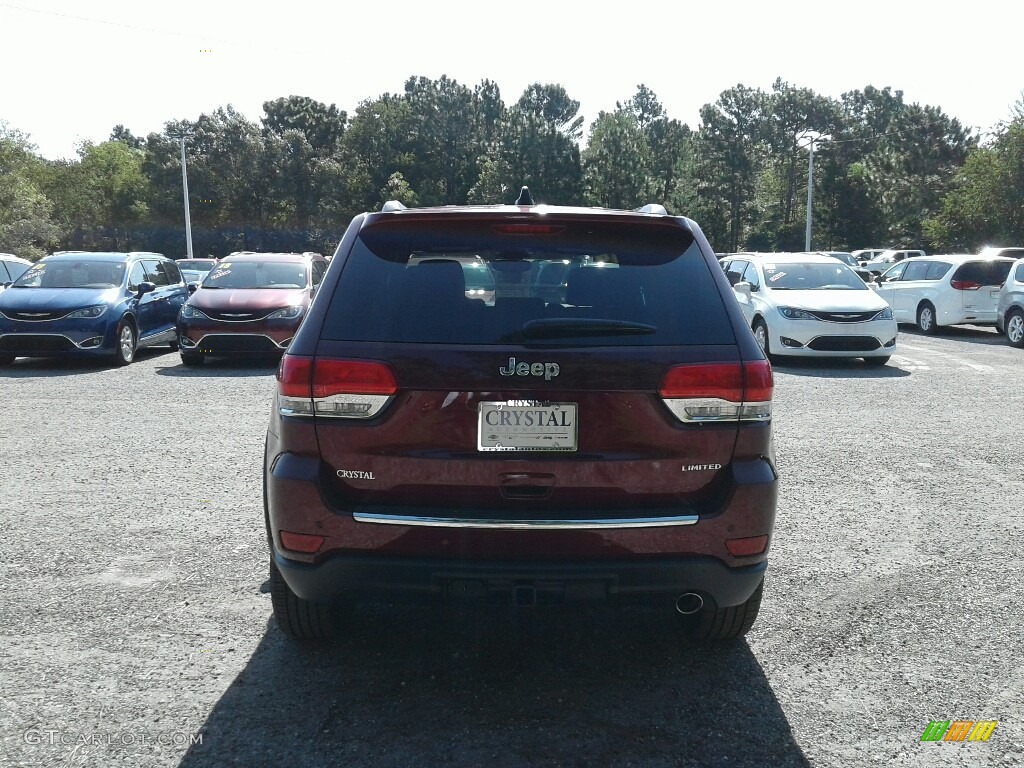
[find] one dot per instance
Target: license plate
(526, 425)
(994, 294)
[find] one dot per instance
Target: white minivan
(809, 305)
(954, 289)
(878, 264)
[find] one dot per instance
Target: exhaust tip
(689, 602)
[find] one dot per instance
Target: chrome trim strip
(239, 320)
(41, 319)
(524, 525)
(237, 335)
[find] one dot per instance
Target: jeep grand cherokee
(596, 427)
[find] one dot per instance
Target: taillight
(964, 285)
(717, 392)
(293, 376)
(354, 389)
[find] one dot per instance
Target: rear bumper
(363, 557)
(532, 583)
(806, 338)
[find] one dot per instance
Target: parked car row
(803, 304)
(818, 316)
(111, 304)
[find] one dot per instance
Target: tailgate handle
(526, 485)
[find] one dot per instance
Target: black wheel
(729, 623)
(125, 342)
(1015, 328)
(296, 617)
(760, 329)
(926, 319)
(878, 362)
(192, 358)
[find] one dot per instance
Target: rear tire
(192, 359)
(926, 319)
(1015, 328)
(296, 617)
(729, 623)
(877, 362)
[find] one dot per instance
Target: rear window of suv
(574, 282)
(984, 272)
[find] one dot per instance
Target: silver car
(1010, 310)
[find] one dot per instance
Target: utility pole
(810, 193)
(181, 136)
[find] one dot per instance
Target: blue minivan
(95, 304)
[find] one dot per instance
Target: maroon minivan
(248, 303)
(603, 436)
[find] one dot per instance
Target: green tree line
(886, 173)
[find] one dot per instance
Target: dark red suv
(596, 427)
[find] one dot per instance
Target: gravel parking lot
(136, 629)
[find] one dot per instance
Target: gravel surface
(137, 631)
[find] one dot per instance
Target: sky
(74, 70)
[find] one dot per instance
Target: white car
(867, 254)
(887, 258)
(11, 268)
(811, 306)
(196, 270)
(1010, 313)
(953, 289)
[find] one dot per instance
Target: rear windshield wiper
(556, 327)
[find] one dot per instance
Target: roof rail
(392, 205)
(653, 208)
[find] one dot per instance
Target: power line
(91, 20)
(134, 27)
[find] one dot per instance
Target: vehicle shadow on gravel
(25, 367)
(418, 687)
(837, 368)
(227, 366)
(974, 334)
